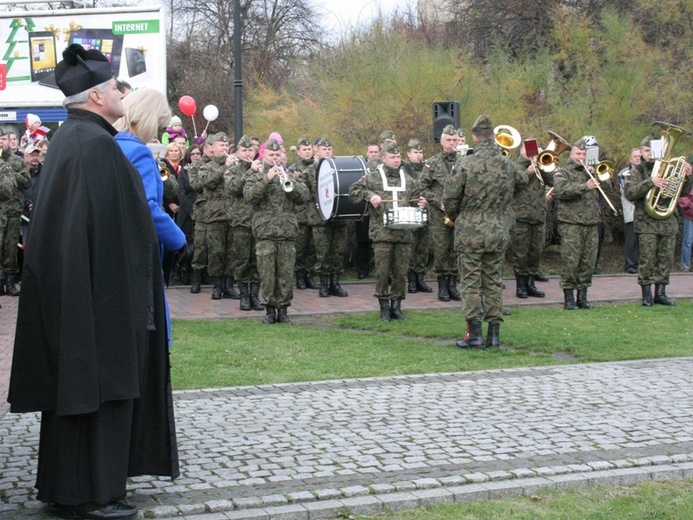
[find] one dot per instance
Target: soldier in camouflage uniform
(479, 198)
(330, 237)
(656, 237)
(437, 170)
(392, 247)
(527, 238)
(245, 259)
(305, 246)
(578, 218)
(14, 167)
(421, 244)
(209, 179)
(199, 261)
(275, 228)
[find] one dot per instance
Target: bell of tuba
(507, 138)
(661, 203)
(548, 159)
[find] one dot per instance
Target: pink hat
(276, 137)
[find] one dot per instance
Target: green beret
(449, 130)
(245, 142)
(388, 134)
(303, 141)
(325, 142)
(483, 122)
(273, 145)
(390, 147)
(580, 143)
(414, 144)
(215, 138)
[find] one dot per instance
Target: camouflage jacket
(209, 180)
(436, 171)
(303, 210)
(636, 187)
(312, 216)
(479, 198)
(13, 167)
(529, 203)
(576, 203)
(372, 184)
(241, 209)
(195, 184)
(274, 215)
(413, 169)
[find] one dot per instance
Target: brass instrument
(286, 183)
(605, 170)
(599, 188)
(548, 159)
(163, 170)
(661, 203)
(507, 139)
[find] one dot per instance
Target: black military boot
(283, 317)
(582, 302)
(11, 290)
(443, 294)
(493, 334)
(474, 337)
(421, 284)
(569, 300)
(539, 277)
(3, 282)
(218, 290)
(452, 288)
(384, 309)
(521, 286)
(196, 284)
(660, 294)
(310, 282)
(411, 282)
(229, 290)
(301, 279)
(324, 286)
(396, 310)
(532, 289)
(646, 295)
(245, 297)
(255, 302)
(270, 316)
(336, 289)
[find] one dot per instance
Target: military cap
(273, 145)
(449, 130)
(325, 142)
(245, 142)
(317, 140)
(460, 132)
(414, 144)
(215, 138)
(390, 147)
(81, 69)
(3, 131)
(646, 141)
(483, 122)
(580, 143)
(388, 134)
(303, 141)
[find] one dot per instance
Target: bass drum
(335, 175)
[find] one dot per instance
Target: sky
(342, 14)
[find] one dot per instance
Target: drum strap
(394, 190)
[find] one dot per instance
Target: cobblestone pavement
(313, 450)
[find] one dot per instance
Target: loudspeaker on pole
(445, 113)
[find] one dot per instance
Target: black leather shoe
(632, 270)
(112, 510)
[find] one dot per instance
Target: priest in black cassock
(90, 348)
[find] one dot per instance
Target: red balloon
(187, 105)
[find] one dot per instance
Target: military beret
(483, 122)
(303, 141)
(81, 69)
(273, 145)
(460, 132)
(414, 144)
(646, 141)
(580, 143)
(245, 141)
(388, 134)
(3, 131)
(390, 147)
(325, 142)
(215, 138)
(449, 130)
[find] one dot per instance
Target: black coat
(91, 320)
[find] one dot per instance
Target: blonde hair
(145, 111)
(180, 147)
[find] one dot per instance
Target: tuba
(661, 203)
(507, 138)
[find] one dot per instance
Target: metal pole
(238, 79)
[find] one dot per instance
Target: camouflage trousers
(656, 255)
(579, 245)
(481, 275)
(305, 248)
(244, 258)
(443, 244)
(199, 261)
(528, 247)
(330, 243)
(10, 239)
(418, 260)
(220, 248)
(391, 269)
(275, 264)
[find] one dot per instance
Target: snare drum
(405, 218)
(335, 175)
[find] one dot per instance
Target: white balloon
(210, 112)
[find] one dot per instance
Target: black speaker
(445, 113)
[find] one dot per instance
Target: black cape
(91, 320)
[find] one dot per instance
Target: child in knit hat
(34, 131)
(173, 130)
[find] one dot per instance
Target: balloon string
(206, 126)
(194, 128)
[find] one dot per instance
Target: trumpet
(163, 170)
(286, 183)
(507, 138)
(600, 188)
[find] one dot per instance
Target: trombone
(599, 186)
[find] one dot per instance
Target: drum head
(325, 197)
(335, 175)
